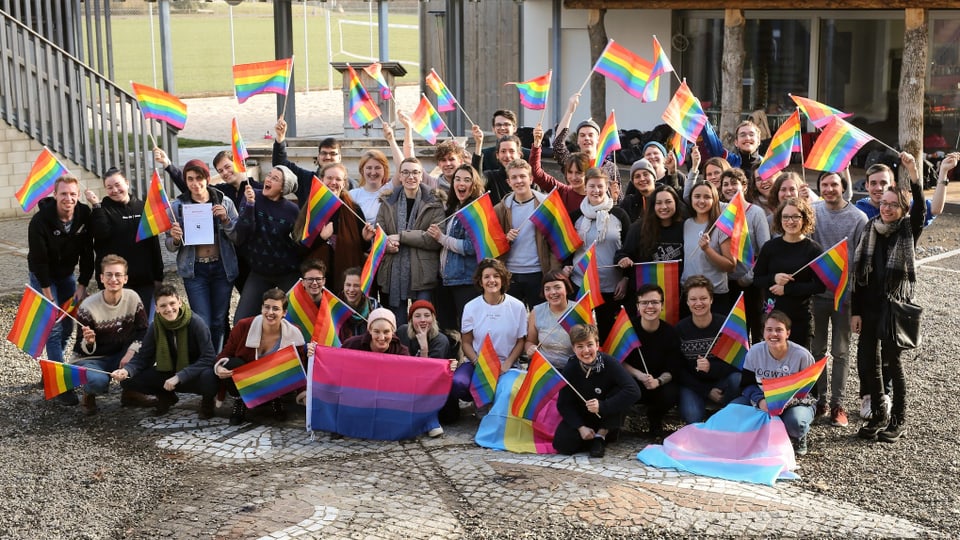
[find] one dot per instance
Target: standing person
(759, 192)
(115, 222)
(885, 270)
(659, 235)
(60, 239)
(707, 254)
(664, 164)
(504, 124)
(361, 304)
(588, 134)
(789, 184)
(498, 181)
(745, 155)
(574, 168)
(328, 153)
(543, 323)
(609, 392)
(879, 178)
(836, 219)
(712, 169)
(643, 182)
(374, 177)
(781, 257)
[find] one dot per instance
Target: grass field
(202, 55)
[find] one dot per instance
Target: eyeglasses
(332, 153)
(411, 173)
(885, 204)
(314, 280)
(503, 125)
(785, 217)
(645, 303)
(112, 275)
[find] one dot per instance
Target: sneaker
(435, 432)
(88, 404)
(893, 431)
(878, 421)
(822, 409)
(887, 402)
(239, 413)
(838, 416)
(800, 446)
(207, 408)
(597, 447)
(866, 411)
(67, 399)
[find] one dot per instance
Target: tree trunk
(731, 100)
(598, 83)
(912, 82)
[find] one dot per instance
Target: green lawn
(201, 46)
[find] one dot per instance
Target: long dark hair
(479, 185)
(651, 226)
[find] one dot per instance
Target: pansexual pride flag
(160, 105)
(666, 274)
(540, 384)
(732, 343)
(363, 109)
(237, 148)
(370, 395)
(262, 77)
(553, 222)
(426, 121)
(301, 311)
(818, 113)
(622, 338)
(780, 391)
(483, 384)
(784, 143)
(445, 100)
(33, 323)
(627, 69)
(331, 316)
(370, 266)
(502, 430)
(684, 113)
(156, 211)
(833, 269)
(733, 223)
(59, 378)
(533, 93)
(270, 377)
(375, 71)
(608, 141)
(835, 147)
(481, 223)
(321, 206)
(661, 65)
(43, 175)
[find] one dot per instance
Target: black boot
(895, 429)
(239, 413)
(878, 420)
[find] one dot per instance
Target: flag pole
(674, 70)
(715, 338)
(344, 303)
(286, 89)
(60, 309)
(590, 74)
(546, 98)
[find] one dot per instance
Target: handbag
(903, 323)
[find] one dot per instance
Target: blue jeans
(145, 292)
(62, 289)
(693, 404)
(99, 383)
(209, 294)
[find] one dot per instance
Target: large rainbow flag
(270, 377)
(59, 378)
(426, 121)
(160, 105)
(369, 395)
(34, 321)
(684, 113)
(370, 266)
(156, 211)
(818, 113)
(237, 148)
(784, 143)
(533, 93)
(833, 269)
(321, 206)
(553, 221)
(780, 391)
(43, 175)
(609, 139)
(262, 77)
(622, 339)
(540, 384)
(363, 109)
(375, 71)
(661, 65)
(481, 223)
(445, 100)
(836, 145)
(626, 68)
(486, 371)
(733, 223)
(666, 274)
(502, 430)
(732, 344)
(301, 311)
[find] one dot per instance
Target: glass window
(942, 129)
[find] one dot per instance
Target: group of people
(431, 290)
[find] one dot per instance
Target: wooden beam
(912, 81)
(760, 4)
(598, 84)
(731, 99)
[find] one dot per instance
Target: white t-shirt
(505, 323)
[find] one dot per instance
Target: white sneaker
(435, 432)
(866, 412)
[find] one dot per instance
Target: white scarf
(599, 213)
(289, 334)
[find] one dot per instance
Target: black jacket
(54, 252)
(115, 231)
(200, 356)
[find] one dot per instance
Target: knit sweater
(119, 328)
(835, 225)
(264, 235)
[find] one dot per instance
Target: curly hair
(806, 213)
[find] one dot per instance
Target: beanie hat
(657, 145)
(197, 164)
(382, 313)
(642, 164)
(289, 179)
(421, 304)
(587, 123)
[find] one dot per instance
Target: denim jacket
(458, 269)
(225, 236)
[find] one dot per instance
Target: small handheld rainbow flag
(553, 222)
(160, 105)
(486, 372)
(733, 223)
(732, 344)
(445, 100)
(34, 321)
(836, 146)
(533, 93)
(321, 206)
(679, 146)
(818, 113)
(833, 269)
(581, 312)
(270, 377)
(539, 385)
(363, 109)
(262, 77)
(43, 175)
(375, 71)
(156, 211)
(377, 249)
(237, 148)
(780, 391)
(684, 113)
(426, 121)
(587, 264)
(59, 378)
(331, 316)
(608, 141)
(622, 338)
(301, 311)
(626, 68)
(481, 223)
(69, 308)
(784, 143)
(661, 65)
(666, 274)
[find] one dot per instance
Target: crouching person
(176, 356)
(608, 389)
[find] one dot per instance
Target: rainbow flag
(331, 316)
(553, 222)
(533, 93)
(377, 249)
(321, 206)
(270, 377)
(481, 223)
(781, 390)
(733, 223)
(59, 378)
(375, 71)
(587, 264)
(156, 211)
(818, 113)
(160, 105)
(238, 149)
(486, 371)
(836, 146)
(426, 121)
(679, 146)
(69, 308)
(363, 109)
(581, 312)
(34, 321)
(43, 175)
(501, 430)
(627, 69)
(262, 77)
(684, 113)
(540, 384)
(661, 65)
(666, 274)
(732, 343)
(784, 143)
(622, 338)
(609, 140)
(301, 311)
(833, 269)
(445, 100)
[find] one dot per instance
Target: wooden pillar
(598, 83)
(731, 101)
(913, 76)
